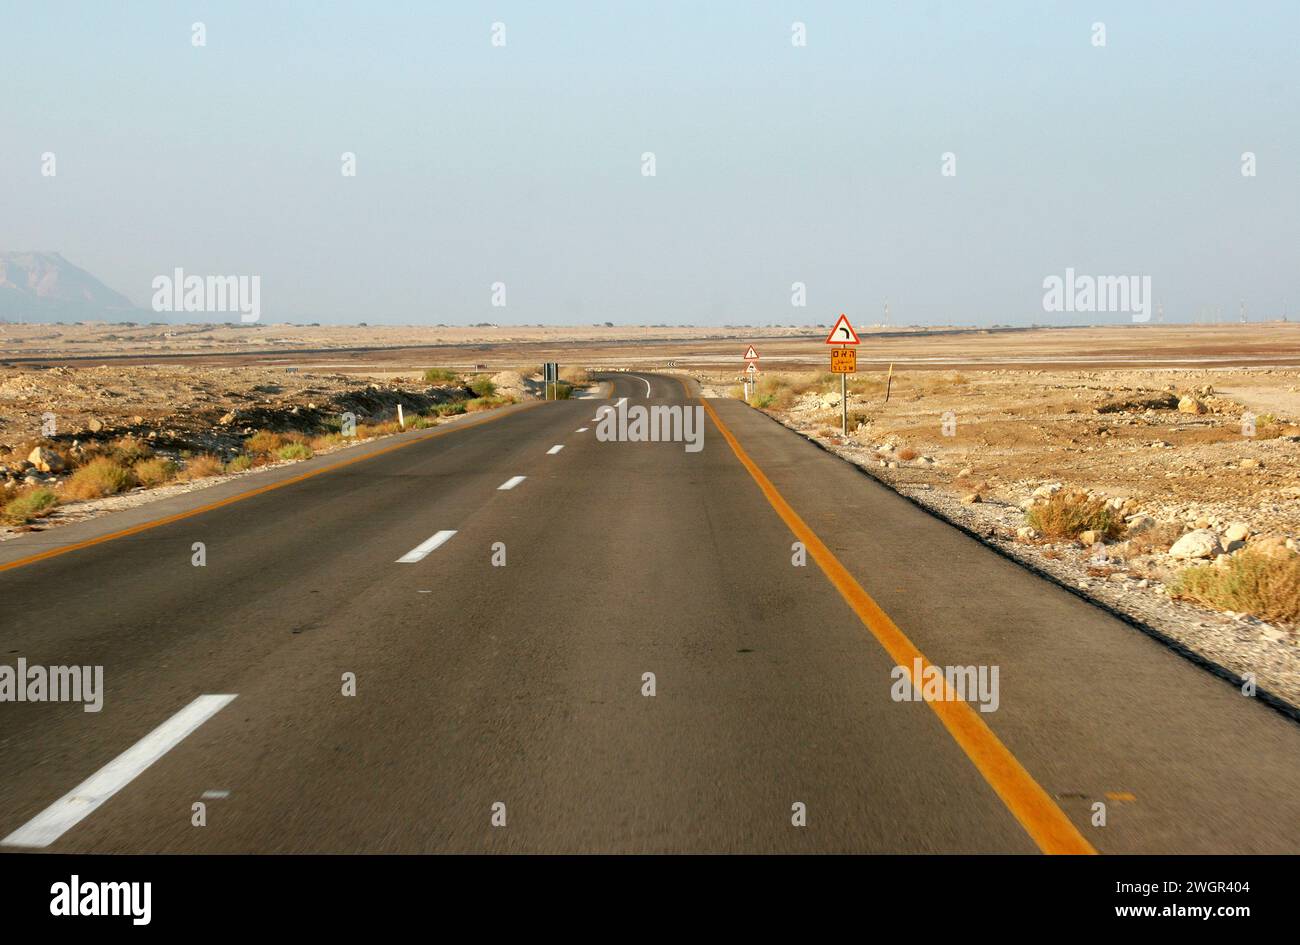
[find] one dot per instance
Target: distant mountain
(45, 287)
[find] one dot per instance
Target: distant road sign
(751, 354)
(843, 333)
(751, 368)
(844, 361)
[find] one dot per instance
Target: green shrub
(482, 387)
(440, 376)
(28, 506)
(240, 463)
(154, 472)
(294, 451)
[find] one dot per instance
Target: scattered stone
(1201, 543)
(46, 460)
(1138, 524)
(1237, 531)
(1189, 404)
(972, 498)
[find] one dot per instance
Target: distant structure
(1243, 312)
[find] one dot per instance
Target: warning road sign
(751, 354)
(843, 333)
(751, 368)
(844, 361)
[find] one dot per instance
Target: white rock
(1201, 543)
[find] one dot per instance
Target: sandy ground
(382, 348)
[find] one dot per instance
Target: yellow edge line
(1024, 798)
(145, 526)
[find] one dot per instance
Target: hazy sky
(774, 163)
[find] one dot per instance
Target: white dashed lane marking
(85, 798)
(421, 551)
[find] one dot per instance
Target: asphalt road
(522, 685)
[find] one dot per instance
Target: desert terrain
(1178, 430)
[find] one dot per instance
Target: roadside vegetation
(1068, 514)
(1253, 582)
(28, 505)
(100, 477)
(103, 468)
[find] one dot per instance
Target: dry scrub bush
(98, 478)
(201, 467)
(1067, 514)
(1252, 582)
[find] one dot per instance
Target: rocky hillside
(43, 286)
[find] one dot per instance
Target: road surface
(515, 692)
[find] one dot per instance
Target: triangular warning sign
(751, 354)
(843, 333)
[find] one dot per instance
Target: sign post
(751, 369)
(550, 376)
(844, 361)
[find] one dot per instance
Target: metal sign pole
(844, 405)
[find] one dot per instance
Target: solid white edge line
(555, 449)
(421, 551)
(511, 482)
(86, 797)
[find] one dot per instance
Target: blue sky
(774, 163)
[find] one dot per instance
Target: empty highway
(498, 589)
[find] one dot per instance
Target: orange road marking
(1045, 823)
